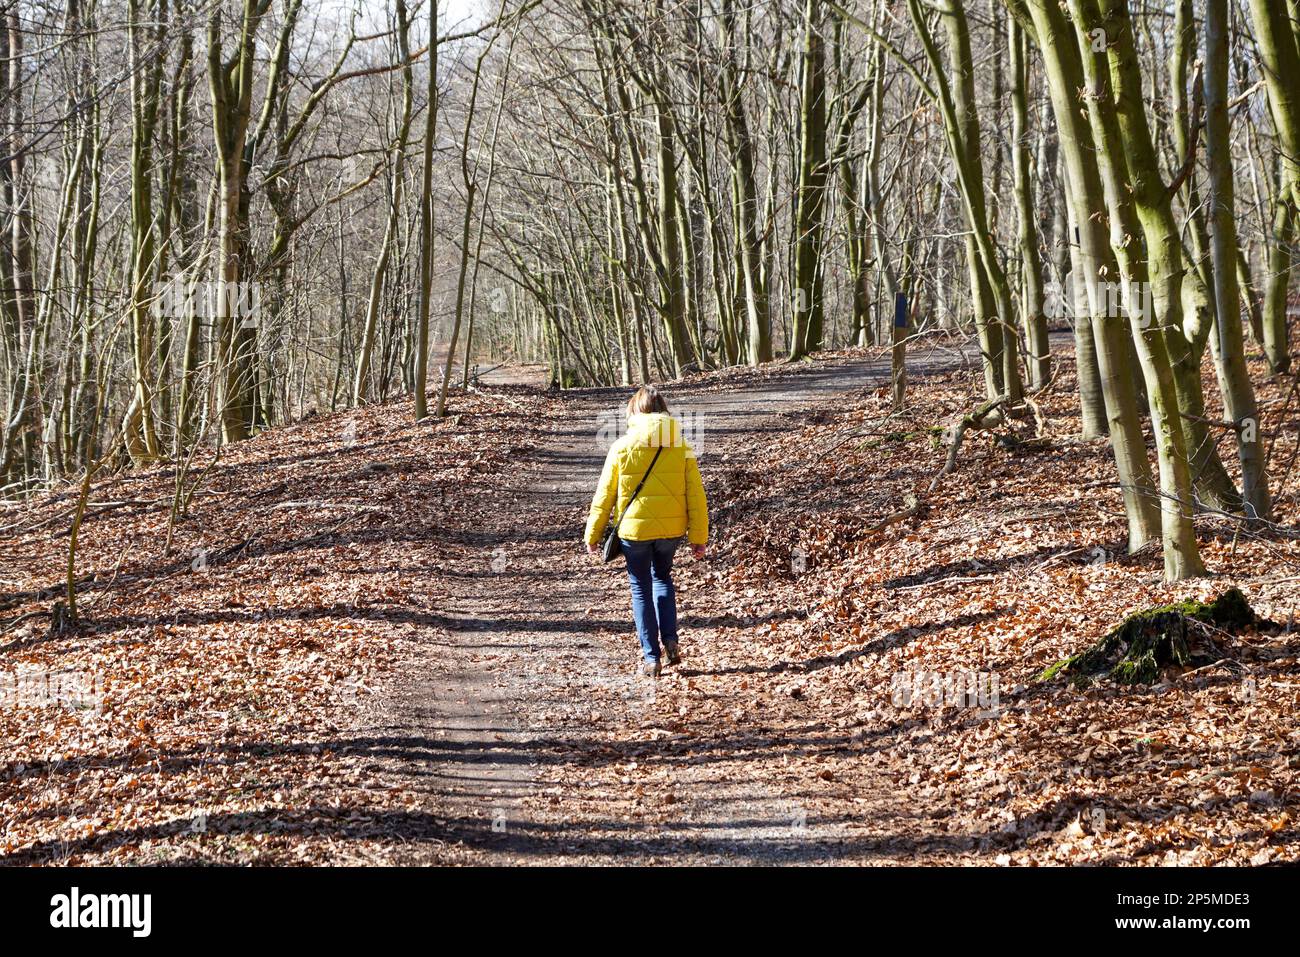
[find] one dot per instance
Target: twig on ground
(970, 420)
(913, 507)
(356, 506)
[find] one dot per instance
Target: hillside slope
(375, 641)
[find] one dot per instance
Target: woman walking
(651, 483)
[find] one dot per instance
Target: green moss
(1140, 668)
(1144, 643)
(1052, 671)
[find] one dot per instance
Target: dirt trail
(514, 727)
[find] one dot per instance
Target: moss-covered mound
(1179, 635)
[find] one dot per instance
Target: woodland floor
(374, 641)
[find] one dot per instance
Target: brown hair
(645, 400)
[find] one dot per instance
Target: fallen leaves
(232, 684)
(1018, 562)
(231, 663)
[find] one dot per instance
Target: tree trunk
(361, 382)
(1138, 202)
(1279, 50)
(1064, 71)
(807, 307)
(1238, 393)
(745, 210)
(1031, 263)
(421, 371)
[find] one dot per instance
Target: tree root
(1180, 635)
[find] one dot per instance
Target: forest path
(525, 728)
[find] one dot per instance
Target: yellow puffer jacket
(672, 502)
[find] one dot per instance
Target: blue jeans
(654, 604)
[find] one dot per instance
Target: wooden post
(898, 337)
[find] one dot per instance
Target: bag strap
(637, 491)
